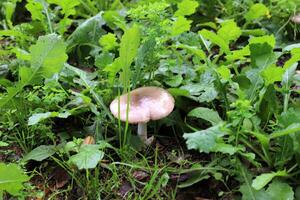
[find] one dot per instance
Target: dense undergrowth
(231, 66)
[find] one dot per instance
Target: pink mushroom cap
(146, 103)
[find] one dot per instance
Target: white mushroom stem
(142, 132)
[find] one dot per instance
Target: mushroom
(296, 19)
(145, 104)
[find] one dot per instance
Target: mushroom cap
(146, 103)
(296, 19)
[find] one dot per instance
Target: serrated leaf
(206, 114)
(262, 180)
(186, 7)
(269, 39)
(262, 55)
(257, 11)
(88, 157)
(108, 41)
(280, 191)
(295, 57)
(272, 74)
(224, 72)
(89, 32)
(47, 58)
(215, 39)
(205, 140)
(180, 25)
(40, 153)
(229, 31)
(12, 178)
(36, 7)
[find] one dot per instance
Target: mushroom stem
(142, 132)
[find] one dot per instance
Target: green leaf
(272, 74)
(67, 9)
(253, 194)
(12, 178)
(88, 157)
(186, 7)
(38, 117)
(262, 55)
(205, 140)
(206, 114)
(129, 45)
(3, 144)
(36, 8)
(295, 127)
(280, 191)
(257, 11)
(89, 32)
(229, 31)
(40, 153)
(108, 41)
(215, 39)
(180, 25)
(224, 72)
(174, 81)
(295, 57)
(47, 58)
(262, 180)
(67, 6)
(269, 39)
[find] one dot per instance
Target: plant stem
(142, 132)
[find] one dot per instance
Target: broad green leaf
(40, 153)
(215, 39)
(262, 180)
(206, 114)
(186, 7)
(269, 39)
(108, 41)
(178, 92)
(174, 81)
(272, 74)
(47, 58)
(295, 57)
(194, 50)
(89, 32)
(257, 11)
(129, 45)
(67, 9)
(38, 117)
(224, 72)
(295, 127)
(36, 9)
(205, 140)
(3, 144)
(180, 25)
(253, 194)
(128, 50)
(12, 178)
(280, 191)
(104, 59)
(229, 31)
(262, 55)
(88, 157)
(67, 6)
